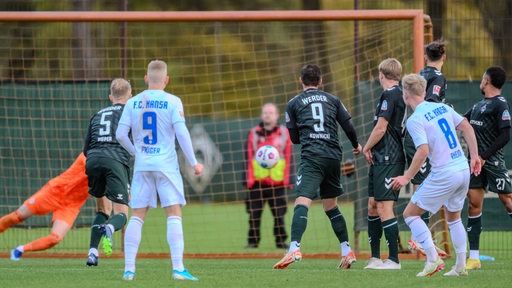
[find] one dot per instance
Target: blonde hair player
(433, 129)
(156, 118)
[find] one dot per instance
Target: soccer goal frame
(415, 15)
(417, 18)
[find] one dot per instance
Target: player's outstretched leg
(9, 220)
(16, 253)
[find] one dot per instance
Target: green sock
(426, 217)
(374, 235)
(338, 223)
(118, 221)
(100, 218)
(299, 222)
(391, 232)
(474, 229)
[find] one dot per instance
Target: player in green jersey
(312, 119)
(384, 152)
(490, 118)
(108, 170)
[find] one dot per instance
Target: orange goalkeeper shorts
(46, 201)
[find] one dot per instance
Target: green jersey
(487, 117)
(316, 115)
(390, 150)
(436, 84)
(101, 136)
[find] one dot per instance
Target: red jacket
(278, 175)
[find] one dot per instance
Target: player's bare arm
(357, 151)
(377, 133)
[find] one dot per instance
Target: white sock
(112, 229)
(460, 261)
(458, 235)
(93, 251)
(20, 248)
(132, 239)
(345, 249)
(294, 246)
(176, 242)
(421, 233)
(474, 254)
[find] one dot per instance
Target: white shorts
(442, 188)
(146, 185)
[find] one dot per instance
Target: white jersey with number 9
(151, 115)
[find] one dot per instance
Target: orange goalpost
(226, 72)
(416, 16)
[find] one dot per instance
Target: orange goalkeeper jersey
(72, 185)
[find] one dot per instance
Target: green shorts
(410, 150)
(108, 177)
(379, 181)
(323, 173)
(493, 178)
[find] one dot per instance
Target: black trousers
(276, 198)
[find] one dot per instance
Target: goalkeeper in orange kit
(63, 195)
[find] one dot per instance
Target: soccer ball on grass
(267, 156)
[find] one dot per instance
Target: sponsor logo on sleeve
(436, 89)
(384, 106)
(505, 115)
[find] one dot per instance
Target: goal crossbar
(415, 15)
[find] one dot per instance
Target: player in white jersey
(432, 127)
(156, 119)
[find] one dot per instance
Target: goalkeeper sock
(117, 221)
(374, 235)
(100, 218)
(131, 242)
(338, 224)
(43, 243)
(299, 222)
(474, 229)
(390, 227)
(176, 242)
(9, 220)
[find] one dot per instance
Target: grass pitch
(258, 273)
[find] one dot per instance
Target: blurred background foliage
(478, 33)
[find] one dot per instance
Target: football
(267, 156)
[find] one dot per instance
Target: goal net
(56, 73)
